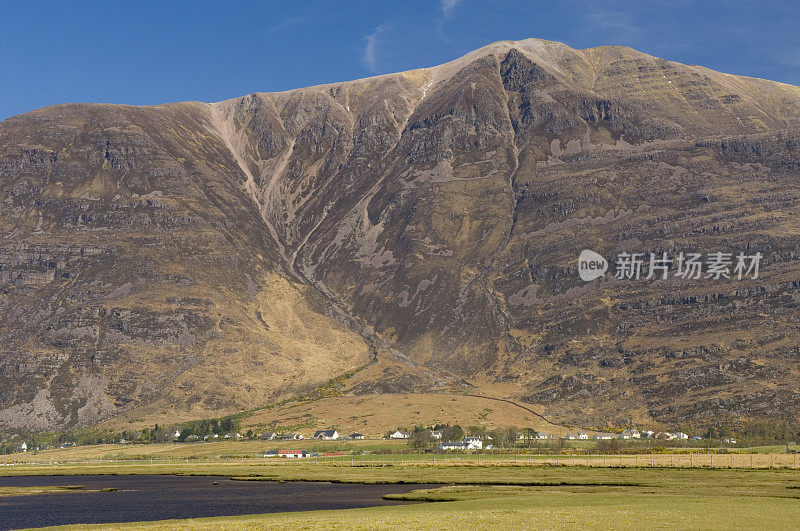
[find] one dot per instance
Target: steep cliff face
(200, 258)
(136, 271)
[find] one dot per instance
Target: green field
(29, 491)
(545, 496)
(223, 455)
(482, 491)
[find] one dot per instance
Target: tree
(228, 424)
(476, 431)
(530, 435)
(511, 434)
(505, 437)
(420, 439)
(453, 433)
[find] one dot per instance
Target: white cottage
(473, 443)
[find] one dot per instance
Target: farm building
(292, 453)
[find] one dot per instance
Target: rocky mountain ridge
(191, 259)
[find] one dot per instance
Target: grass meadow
(480, 492)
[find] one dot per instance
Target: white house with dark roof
(630, 434)
(292, 453)
(450, 445)
(473, 443)
(468, 443)
(326, 435)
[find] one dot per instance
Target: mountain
(418, 232)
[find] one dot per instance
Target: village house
(289, 436)
(603, 436)
(295, 454)
(473, 443)
(355, 436)
(468, 443)
(23, 447)
(681, 436)
(577, 436)
(437, 434)
(399, 435)
(269, 436)
(452, 446)
(630, 434)
(326, 435)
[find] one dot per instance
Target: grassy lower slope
(374, 414)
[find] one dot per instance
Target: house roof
(324, 432)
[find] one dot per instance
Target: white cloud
(370, 52)
(448, 6)
(618, 24)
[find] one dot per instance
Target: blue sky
(142, 52)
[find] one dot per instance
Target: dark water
(164, 497)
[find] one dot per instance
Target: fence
(675, 460)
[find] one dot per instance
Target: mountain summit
(417, 232)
